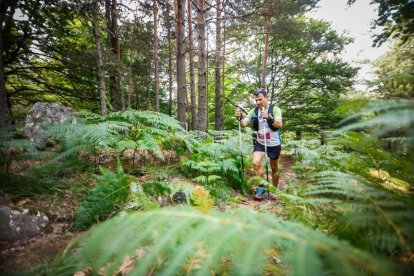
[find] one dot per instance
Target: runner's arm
(277, 117)
(244, 120)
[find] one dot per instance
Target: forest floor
(24, 254)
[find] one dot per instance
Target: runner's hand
(265, 115)
(238, 113)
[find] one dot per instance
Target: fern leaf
(201, 179)
(103, 198)
(228, 165)
(238, 242)
(150, 144)
(126, 144)
(201, 199)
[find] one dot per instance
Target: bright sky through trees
(355, 21)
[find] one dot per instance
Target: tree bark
(181, 84)
(117, 47)
(218, 118)
(193, 125)
(112, 57)
(202, 75)
(101, 73)
(156, 69)
(223, 66)
(130, 84)
(167, 20)
(265, 54)
(148, 83)
(6, 117)
(121, 85)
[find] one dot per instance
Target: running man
(267, 121)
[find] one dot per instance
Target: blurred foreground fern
(361, 186)
(177, 241)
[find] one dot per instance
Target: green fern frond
(91, 116)
(150, 144)
(202, 200)
(138, 200)
(219, 191)
(380, 210)
(201, 179)
(74, 151)
(214, 150)
(36, 155)
(389, 115)
(150, 118)
(239, 242)
(126, 144)
(213, 178)
(156, 188)
(191, 164)
(228, 165)
(16, 143)
(110, 193)
(70, 125)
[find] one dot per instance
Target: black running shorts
(272, 152)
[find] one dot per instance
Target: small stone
(15, 213)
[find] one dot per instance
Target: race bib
(260, 135)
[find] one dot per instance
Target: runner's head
(261, 97)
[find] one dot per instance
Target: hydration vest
(255, 119)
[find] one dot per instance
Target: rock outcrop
(18, 225)
(44, 114)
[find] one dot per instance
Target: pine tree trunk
(265, 54)
(111, 53)
(167, 20)
(101, 73)
(223, 55)
(193, 125)
(148, 79)
(130, 85)
(117, 53)
(6, 118)
(156, 69)
(202, 75)
(121, 85)
(181, 84)
(272, 78)
(218, 119)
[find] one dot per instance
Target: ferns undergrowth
(360, 190)
(119, 131)
(176, 241)
(20, 173)
(109, 194)
(217, 166)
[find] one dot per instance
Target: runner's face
(261, 100)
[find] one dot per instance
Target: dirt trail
(285, 164)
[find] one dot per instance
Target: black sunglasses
(260, 91)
